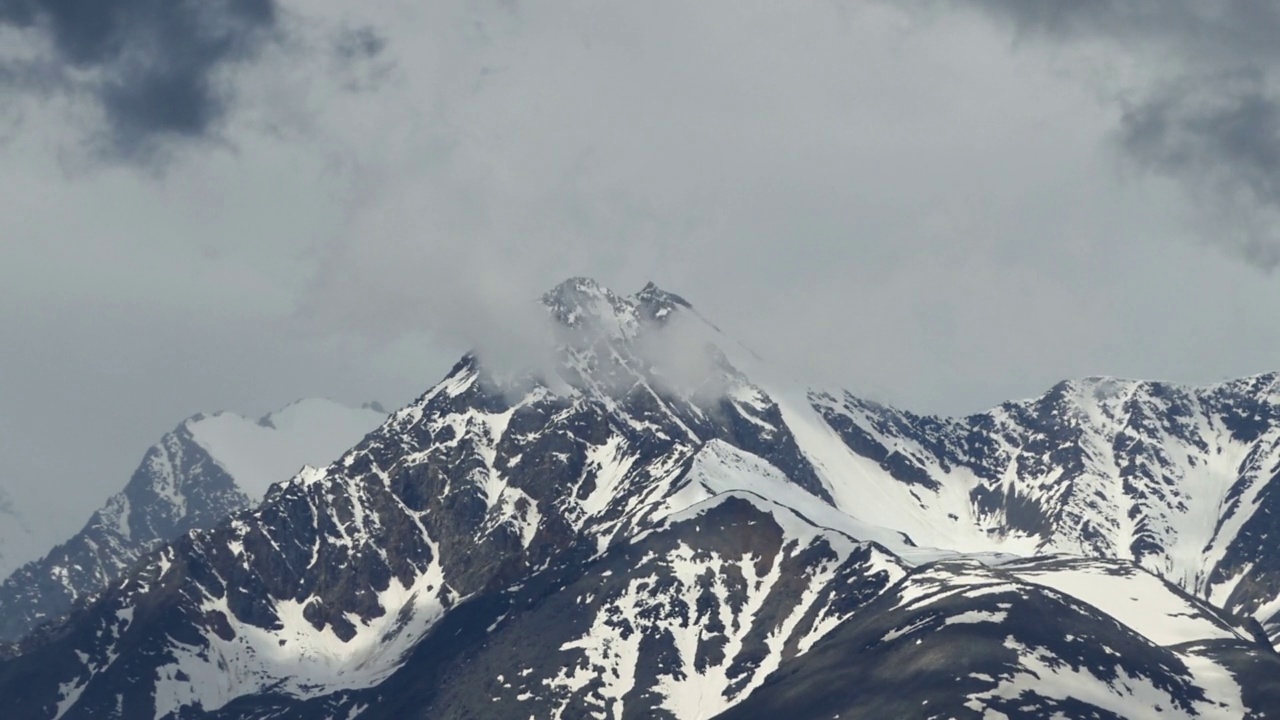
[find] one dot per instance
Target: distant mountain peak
(577, 293)
(587, 312)
(209, 466)
(657, 304)
(583, 304)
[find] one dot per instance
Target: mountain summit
(643, 530)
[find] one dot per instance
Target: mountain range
(641, 525)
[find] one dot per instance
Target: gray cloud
(359, 59)
(922, 212)
(150, 66)
(1220, 135)
(1206, 112)
(360, 43)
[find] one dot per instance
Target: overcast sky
(231, 204)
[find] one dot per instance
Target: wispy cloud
(1205, 111)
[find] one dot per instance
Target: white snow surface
(1137, 599)
(308, 432)
(939, 525)
(720, 468)
(298, 659)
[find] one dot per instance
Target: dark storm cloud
(1221, 135)
(1209, 115)
(1211, 27)
(150, 65)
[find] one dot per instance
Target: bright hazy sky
(232, 204)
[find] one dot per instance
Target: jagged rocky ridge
(197, 475)
(639, 530)
(1178, 479)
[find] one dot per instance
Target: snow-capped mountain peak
(582, 303)
(208, 467)
(597, 313)
(643, 529)
(272, 448)
(658, 304)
